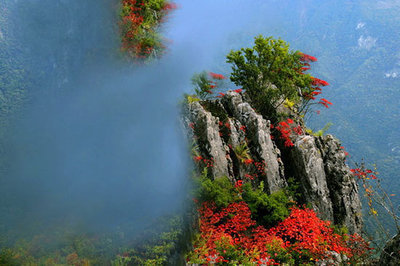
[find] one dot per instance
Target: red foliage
(309, 96)
(249, 176)
(216, 76)
(224, 127)
(319, 82)
(209, 162)
(238, 186)
(260, 168)
(362, 173)
(302, 233)
(344, 150)
(307, 58)
(248, 161)
(230, 227)
(256, 169)
(298, 130)
(316, 83)
(325, 102)
(287, 129)
(204, 162)
(197, 158)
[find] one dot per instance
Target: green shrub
(220, 191)
(266, 209)
(294, 191)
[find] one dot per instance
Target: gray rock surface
(327, 183)
(209, 141)
(309, 171)
(259, 139)
(342, 186)
(316, 163)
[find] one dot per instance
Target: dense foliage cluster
(230, 236)
(272, 74)
(139, 23)
(242, 224)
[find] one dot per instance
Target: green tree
(270, 73)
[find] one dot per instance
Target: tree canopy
(271, 73)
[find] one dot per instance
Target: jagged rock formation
(316, 163)
(391, 252)
(308, 167)
(258, 138)
(342, 187)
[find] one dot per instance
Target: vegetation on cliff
(240, 220)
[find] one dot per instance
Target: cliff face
(317, 164)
